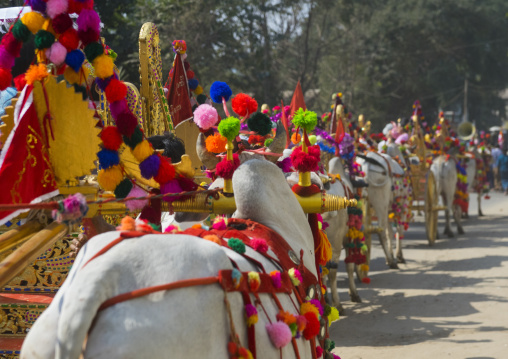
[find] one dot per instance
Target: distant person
(502, 165)
(496, 152)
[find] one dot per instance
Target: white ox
(445, 174)
(181, 323)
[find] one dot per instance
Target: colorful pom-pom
(220, 223)
(193, 84)
(111, 138)
(116, 91)
(110, 178)
(316, 303)
(260, 123)
(38, 5)
(126, 123)
(199, 90)
(89, 36)
(118, 107)
(150, 166)
(366, 280)
(69, 39)
(254, 280)
(213, 238)
(205, 116)
(123, 189)
(88, 19)
(305, 162)
(6, 59)
(11, 45)
(296, 277)
(75, 59)
(56, 7)
(305, 119)
(243, 104)
(61, 23)
(268, 142)
(136, 138)
(44, 39)
(276, 279)
(166, 171)
(142, 151)
(307, 307)
(103, 65)
(108, 158)
(33, 21)
(21, 31)
(319, 351)
(20, 82)
(92, 51)
(236, 245)
(312, 327)
(229, 128)
(56, 53)
(71, 210)
(216, 143)
(226, 168)
(220, 90)
(136, 204)
(333, 316)
(251, 314)
(259, 245)
(296, 138)
(237, 277)
(5, 78)
(36, 73)
(279, 333)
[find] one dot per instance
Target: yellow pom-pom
(391, 215)
(33, 20)
(72, 76)
(309, 307)
(364, 267)
(110, 178)
(333, 316)
(324, 271)
(253, 319)
(36, 73)
(49, 27)
(142, 151)
(198, 90)
(103, 65)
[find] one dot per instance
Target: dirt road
(447, 301)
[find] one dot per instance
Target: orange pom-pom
(36, 73)
(216, 143)
(213, 238)
(127, 224)
(296, 138)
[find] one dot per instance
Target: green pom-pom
(260, 123)
(44, 39)
(92, 50)
(293, 327)
(112, 54)
(236, 245)
(135, 139)
(21, 31)
(229, 128)
(201, 99)
(305, 119)
(312, 139)
(154, 226)
(327, 310)
(268, 142)
(123, 189)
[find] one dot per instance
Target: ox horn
(279, 142)
(207, 158)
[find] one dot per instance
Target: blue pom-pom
(218, 90)
(75, 59)
(150, 166)
(193, 83)
(38, 5)
(108, 158)
(103, 83)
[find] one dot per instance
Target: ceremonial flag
(26, 175)
(180, 107)
(297, 101)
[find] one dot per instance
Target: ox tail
(78, 308)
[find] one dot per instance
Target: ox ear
(279, 142)
(207, 158)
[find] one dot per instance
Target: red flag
(179, 104)
(298, 101)
(26, 175)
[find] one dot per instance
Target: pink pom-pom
(205, 116)
(56, 53)
(259, 244)
(6, 59)
(136, 204)
(335, 356)
(279, 334)
(276, 279)
(88, 19)
(56, 7)
(220, 225)
(319, 351)
(226, 168)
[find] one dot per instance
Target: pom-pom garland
(244, 105)
(137, 204)
(126, 123)
(260, 123)
(43, 39)
(205, 116)
(103, 65)
(38, 5)
(220, 90)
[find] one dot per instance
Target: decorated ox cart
(243, 266)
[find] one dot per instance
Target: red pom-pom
(186, 65)
(11, 45)
(366, 280)
(166, 171)
(75, 7)
(190, 75)
(111, 138)
(116, 90)
(126, 123)
(225, 168)
(256, 139)
(61, 23)
(312, 327)
(69, 39)
(5, 78)
(243, 104)
(305, 162)
(20, 82)
(88, 36)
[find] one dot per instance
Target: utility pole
(464, 110)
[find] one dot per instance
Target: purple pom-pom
(88, 19)
(171, 187)
(38, 5)
(285, 165)
(150, 166)
(103, 83)
(318, 305)
(6, 59)
(250, 310)
(117, 107)
(220, 90)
